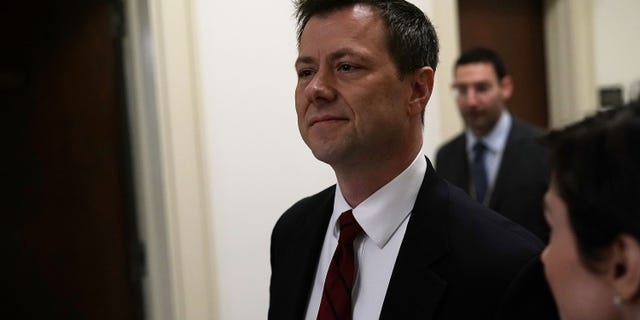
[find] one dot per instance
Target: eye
(483, 87)
(305, 73)
(459, 90)
(346, 67)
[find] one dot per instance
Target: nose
(471, 97)
(468, 98)
(544, 254)
(321, 88)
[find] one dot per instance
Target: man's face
(351, 105)
(480, 96)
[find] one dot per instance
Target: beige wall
(616, 46)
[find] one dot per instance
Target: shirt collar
(383, 212)
(496, 139)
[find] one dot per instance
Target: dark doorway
(69, 213)
(516, 30)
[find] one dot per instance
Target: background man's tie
(338, 285)
(479, 171)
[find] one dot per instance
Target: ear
(624, 268)
(421, 89)
(506, 87)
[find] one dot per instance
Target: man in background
(497, 159)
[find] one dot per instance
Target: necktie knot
(349, 228)
(479, 149)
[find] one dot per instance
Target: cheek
(298, 95)
(300, 104)
(555, 266)
(579, 294)
(558, 268)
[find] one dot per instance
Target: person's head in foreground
(592, 261)
(365, 73)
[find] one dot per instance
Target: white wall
(258, 164)
(616, 46)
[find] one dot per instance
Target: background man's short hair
(483, 55)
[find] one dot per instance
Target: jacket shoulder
(447, 151)
(525, 129)
(309, 202)
(452, 144)
(490, 232)
(301, 210)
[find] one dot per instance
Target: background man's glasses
(465, 90)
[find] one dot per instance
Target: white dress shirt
(383, 217)
(495, 141)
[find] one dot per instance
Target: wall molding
(446, 21)
(570, 60)
(170, 171)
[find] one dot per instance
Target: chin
(322, 154)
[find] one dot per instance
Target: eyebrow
(340, 53)
(343, 53)
(304, 60)
(472, 83)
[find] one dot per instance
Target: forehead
(355, 25)
(475, 72)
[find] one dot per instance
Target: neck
(358, 182)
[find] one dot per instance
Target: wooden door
(68, 216)
(515, 29)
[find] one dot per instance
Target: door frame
(168, 155)
(570, 60)
(569, 54)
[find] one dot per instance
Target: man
(497, 159)
(391, 240)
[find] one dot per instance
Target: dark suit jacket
(521, 180)
(458, 260)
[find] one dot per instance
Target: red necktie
(338, 285)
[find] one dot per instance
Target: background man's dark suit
(522, 177)
(458, 260)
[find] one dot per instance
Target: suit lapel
(506, 164)
(461, 171)
(415, 290)
(304, 253)
(463, 157)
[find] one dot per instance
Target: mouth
(325, 120)
(474, 114)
